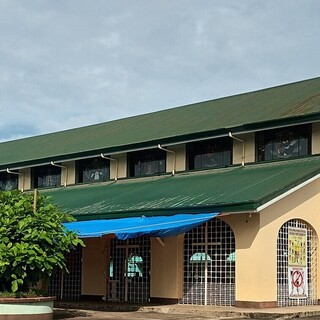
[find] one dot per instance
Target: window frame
(37, 172)
(140, 158)
(6, 177)
(79, 169)
(273, 140)
(197, 149)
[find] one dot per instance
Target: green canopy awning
(231, 189)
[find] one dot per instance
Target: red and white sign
(297, 263)
(298, 284)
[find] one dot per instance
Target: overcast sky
(70, 63)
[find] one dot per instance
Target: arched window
(209, 265)
(297, 247)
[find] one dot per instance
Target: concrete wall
(167, 268)
(256, 243)
(68, 175)
(315, 140)
(249, 140)
(95, 267)
(24, 181)
(180, 155)
(118, 169)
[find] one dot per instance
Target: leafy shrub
(32, 240)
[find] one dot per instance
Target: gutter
(243, 147)
(154, 144)
(112, 159)
(174, 157)
(19, 174)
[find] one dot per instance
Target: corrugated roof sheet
(240, 112)
(229, 189)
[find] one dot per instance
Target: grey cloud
(71, 63)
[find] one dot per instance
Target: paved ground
(179, 312)
(67, 314)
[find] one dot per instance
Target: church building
(213, 203)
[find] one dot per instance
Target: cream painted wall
(304, 205)
(256, 242)
(315, 146)
(249, 258)
(167, 268)
(94, 266)
(249, 139)
(24, 181)
(122, 166)
(180, 151)
(71, 173)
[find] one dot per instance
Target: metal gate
(67, 286)
(209, 265)
(283, 298)
(130, 270)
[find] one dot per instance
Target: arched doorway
(297, 250)
(209, 265)
(129, 272)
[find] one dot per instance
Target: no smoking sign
(298, 284)
(297, 278)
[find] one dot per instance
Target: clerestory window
(146, 162)
(283, 143)
(46, 176)
(93, 170)
(209, 153)
(8, 181)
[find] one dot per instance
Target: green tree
(32, 240)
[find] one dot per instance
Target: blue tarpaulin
(127, 228)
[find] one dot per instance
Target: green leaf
(14, 286)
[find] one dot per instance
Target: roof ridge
(163, 110)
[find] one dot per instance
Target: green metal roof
(218, 190)
(287, 104)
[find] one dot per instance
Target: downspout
(112, 159)
(160, 241)
(243, 147)
(174, 157)
(18, 173)
(64, 167)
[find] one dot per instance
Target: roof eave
(267, 202)
(228, 208)
(165, 141)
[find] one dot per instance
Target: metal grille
(282, 265)
(130, 270)
(67, 286)
(209, 265)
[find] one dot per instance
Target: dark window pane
(144, 163)
(284, 143)
(46, 176)
(209, 153)
(8, 181)
(93, 170)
